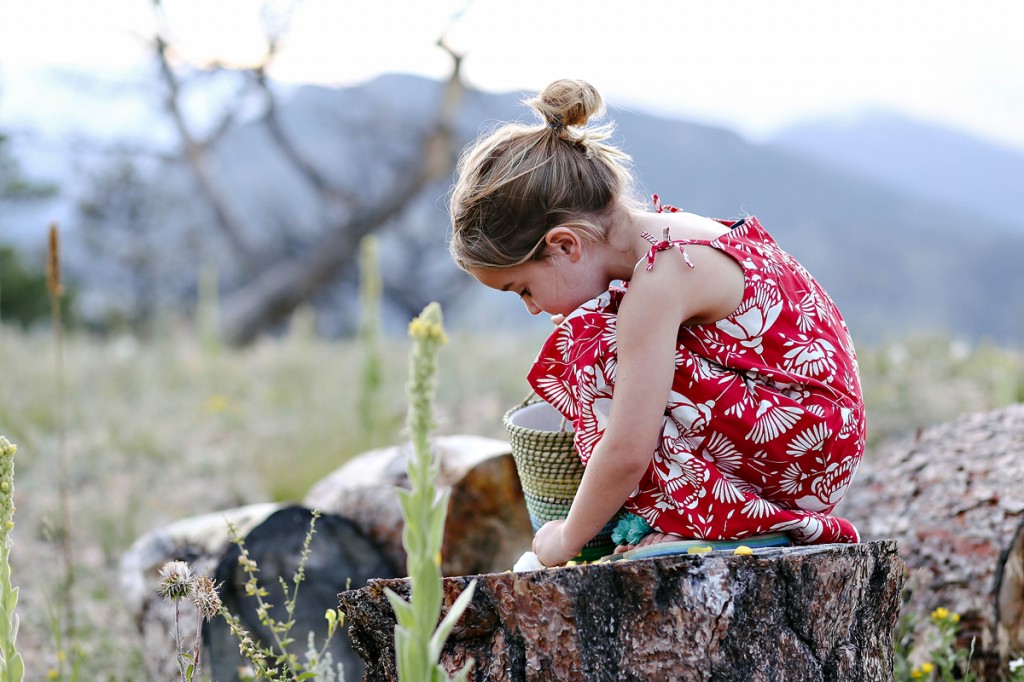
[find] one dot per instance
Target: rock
(340, 556)
(805, 613)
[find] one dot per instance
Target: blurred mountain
(895, 260)
(935, 162)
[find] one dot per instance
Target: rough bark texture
(487, 526)
(953, 499)
(806, 613)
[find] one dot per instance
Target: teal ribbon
(630, 530)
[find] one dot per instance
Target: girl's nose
(531, 306)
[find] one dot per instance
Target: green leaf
(463, 675)
(403, 609)
(445, 627)
(15, 668)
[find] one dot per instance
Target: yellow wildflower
(428, 327)
(940, 613)
(743, 550)
(216, 404)
(922, 671)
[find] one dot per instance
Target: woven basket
(549, 468)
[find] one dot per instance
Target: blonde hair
(520, 181)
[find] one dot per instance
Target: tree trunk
(952, 498)
(804, 613)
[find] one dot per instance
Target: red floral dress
(764, 427)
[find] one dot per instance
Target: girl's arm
(647, 328)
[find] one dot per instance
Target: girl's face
(555, 285)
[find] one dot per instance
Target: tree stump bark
(805, 613)
(952, 497)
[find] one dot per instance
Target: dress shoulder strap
(665, 244)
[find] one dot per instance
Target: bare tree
(273, 280)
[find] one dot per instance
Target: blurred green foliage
(24, 297)
(14, 184)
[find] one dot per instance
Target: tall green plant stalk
(418, 636)
(371, 377)
(56, 291)
(12, 669)
(208, 308)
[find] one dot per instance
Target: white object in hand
(527, 562)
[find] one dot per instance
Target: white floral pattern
(764, 427)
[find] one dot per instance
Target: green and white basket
(549, 468)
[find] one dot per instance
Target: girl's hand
(557, 319)
(549, 545)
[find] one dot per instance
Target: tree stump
(804, 613)
(952, 497)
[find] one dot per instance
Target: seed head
(176, 580)
(205, 597)
(53, 263)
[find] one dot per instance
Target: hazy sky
(754, 65)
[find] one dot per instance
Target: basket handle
(532, 398)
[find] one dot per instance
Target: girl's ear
(564, 241)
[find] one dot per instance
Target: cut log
(487, 526)
(953, 499)
(805, 613)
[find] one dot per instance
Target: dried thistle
(176, 581)
(205, 597)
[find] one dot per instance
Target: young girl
(715, 394)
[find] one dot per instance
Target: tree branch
(196, 151)
(280, 289)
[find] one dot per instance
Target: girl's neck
(626, 243)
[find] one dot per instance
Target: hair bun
(568, 103)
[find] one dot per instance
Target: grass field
(156, 431)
